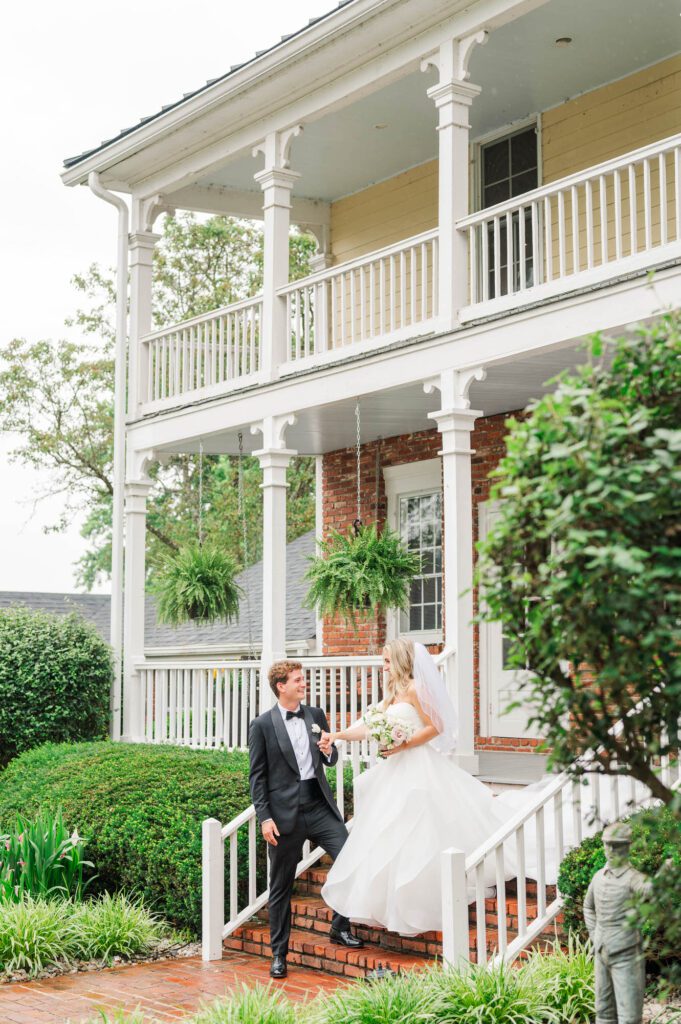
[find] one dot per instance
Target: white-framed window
(508, 165)
(414, 493)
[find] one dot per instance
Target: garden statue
(620, 964)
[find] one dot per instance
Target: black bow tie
(295, 714)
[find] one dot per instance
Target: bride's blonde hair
(401, 673)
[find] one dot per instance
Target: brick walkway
(166, 991)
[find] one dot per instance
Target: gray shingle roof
(71, 161)
(300, 622)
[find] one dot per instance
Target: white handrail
(203, 318)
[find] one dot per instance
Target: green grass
(566, 980)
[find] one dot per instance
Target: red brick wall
(339, 510)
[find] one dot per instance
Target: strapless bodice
(401, 710)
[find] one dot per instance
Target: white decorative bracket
(454, 386)
(276, 148)
(137, 468)
(273, 429)
(147, 211)
(452, 59)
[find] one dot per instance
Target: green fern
(369, 571)
(198, 585)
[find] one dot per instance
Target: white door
(499, 686)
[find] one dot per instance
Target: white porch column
(453, 96)
(455, 421)
(141, 244)
(277, 181)
(136, 492)
(274, 459)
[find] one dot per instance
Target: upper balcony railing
(386, 295)
(590, 228)
(580, 230)
(219, 348)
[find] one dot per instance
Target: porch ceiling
(520, 69)
(327, 427)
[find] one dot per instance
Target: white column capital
(279, 182)
(454, 92)
(455, 426)
(141, 245)
(274, 462)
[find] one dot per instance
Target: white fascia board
(241, 203)
(535, 330)
(285, 69)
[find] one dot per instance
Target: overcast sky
(72, 75)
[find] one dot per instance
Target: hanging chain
(358, 521)
(378, 479)
(244, 541)
(200, 494)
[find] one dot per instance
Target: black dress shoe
(278, 968)
(346, 939)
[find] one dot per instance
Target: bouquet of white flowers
(388, 732)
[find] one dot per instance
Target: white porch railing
(388, 294)
(582, 229)
(197, 703)
(344, 687)
(216, 348)
(531, 845)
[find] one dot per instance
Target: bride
(410, 807)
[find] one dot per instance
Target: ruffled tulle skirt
(409, 808)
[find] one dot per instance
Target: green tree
(56, 398)
(584, 563)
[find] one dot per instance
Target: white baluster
(548, 234)
(233, 876)
(603, 201)
(403, 289)
(501, 897)
(521, 879)
(588, 201)
(647, 206)
(662, 174)
(485, 259)
(633, 202)
(342, 310)
(353, 312)
(617, 189)
(558, 824)
(561, 234)
(413, 279)
(213, 896)
(480, 914)
(391, 265)
(363, 333)
(497, 258)
(510, 287)
(541, 860)
(677, 192)
(576, 813)
(574, 210)
(252, 890)
(521, 249)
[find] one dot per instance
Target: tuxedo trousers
(317, 823)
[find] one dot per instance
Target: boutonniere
(315, 728)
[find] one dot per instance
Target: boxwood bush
(140, 809)
(55, 678)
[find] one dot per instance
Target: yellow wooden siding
(384, 213)
(610, 121)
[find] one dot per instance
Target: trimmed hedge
(55, 679)
(139, 807)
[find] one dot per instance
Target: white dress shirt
(300, 741)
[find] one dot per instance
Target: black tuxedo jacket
(274, 774)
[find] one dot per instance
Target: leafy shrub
(656, 836)
(55, 677)
(248, 1005)
(565, 978)
(141, 807)
(42, 859)
(487, 995)
(36, 932)
(115, 926)
(404, 997)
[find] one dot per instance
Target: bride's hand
(326, 742)
(389, 751)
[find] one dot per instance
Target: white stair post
(277, 181)
(213, 889)
(455, 421)
(453, 96)
(136, 492)
(455, 944)
(274, 459)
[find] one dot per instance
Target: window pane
(497, 193)
(496, 162)
(524, 151)
(421, 526)
(523, 183)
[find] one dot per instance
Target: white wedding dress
(408, 809)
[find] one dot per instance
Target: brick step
(316, 951)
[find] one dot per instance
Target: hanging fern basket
(361, 571)
(197, 585)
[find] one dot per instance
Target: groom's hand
(270, 832)
(325, 744)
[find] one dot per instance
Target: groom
(293, 799)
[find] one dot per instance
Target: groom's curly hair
(279, 673)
